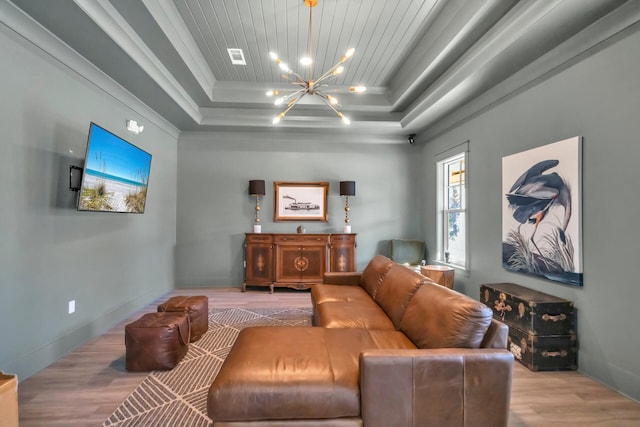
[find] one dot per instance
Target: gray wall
(598, 99)
(110, 264)
(215, 210)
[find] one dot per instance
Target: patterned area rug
(179, 397)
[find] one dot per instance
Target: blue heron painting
(541, 218)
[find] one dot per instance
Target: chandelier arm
(326, 99)
(298, 76)
(291, 72)
(328, 73)
(297, 92)
(331, 106)
(322, 79)
(286, 93)
(292, 104)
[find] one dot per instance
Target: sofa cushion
(438, 317)
(364, 314)
(374, 272)
(396, 291)
(326, 293)
(265, 377)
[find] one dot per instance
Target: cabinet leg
(271, 288)
(243, 288)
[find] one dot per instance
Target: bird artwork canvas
(541, 212)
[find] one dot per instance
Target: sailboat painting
(542, 212)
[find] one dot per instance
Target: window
(452, 210)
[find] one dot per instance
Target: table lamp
(347, 188)
(256, 188)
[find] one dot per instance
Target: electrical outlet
(72, 306)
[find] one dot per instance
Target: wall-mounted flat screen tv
(116, 174)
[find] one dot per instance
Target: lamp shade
(256, 187)
(347, 188)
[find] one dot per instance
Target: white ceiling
(426, 63)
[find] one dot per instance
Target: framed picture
(300, 201)
(542, 212)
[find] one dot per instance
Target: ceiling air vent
(237, 56)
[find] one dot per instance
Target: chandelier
(309, 86)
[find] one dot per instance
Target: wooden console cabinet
(296, 260)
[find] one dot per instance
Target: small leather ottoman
(156, 341)
(197, 307)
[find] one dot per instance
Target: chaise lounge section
(389, 348)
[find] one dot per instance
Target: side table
(441, 274)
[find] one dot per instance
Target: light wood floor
(84, 387)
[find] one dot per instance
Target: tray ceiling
(423, 61)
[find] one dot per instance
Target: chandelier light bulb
(332, 99)
(284, 67)
(279, 101)
(338, 70)
(272, 92)
(305, 61)
(350, 52)
(357, 89)
(346, 120)
(273, 55)
(277, 118)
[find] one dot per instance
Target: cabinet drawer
(343, 238)
(300, 238)
(259, 238)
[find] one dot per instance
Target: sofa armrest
(496, 335)
(346, 278)
(436, 387)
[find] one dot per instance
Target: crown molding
(453, 27)
(465, 77)
(116, 27)
(582, 45)
(56, 51)
(175, 29)
(516, 43)
(234, 136)
(574, 49)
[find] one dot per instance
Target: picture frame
(300, 201)
(542, 212)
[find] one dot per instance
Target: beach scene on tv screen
(116, 174)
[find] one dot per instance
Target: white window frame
(460, 152)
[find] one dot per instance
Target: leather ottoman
(197, 307)
(156, 341)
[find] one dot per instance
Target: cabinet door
(301, 260)
(342, 253)
(259, 260)
(313, 257)
(290, 264)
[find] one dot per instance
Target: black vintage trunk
(542, 327)
(543, 353)
(531, 311)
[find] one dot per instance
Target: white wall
(110, 264)
(598, 98)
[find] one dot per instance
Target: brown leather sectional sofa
(388, 348)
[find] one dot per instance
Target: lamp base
(257, 228)
(347, 229)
